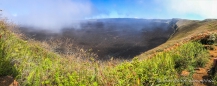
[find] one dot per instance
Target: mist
(112, 37)
(46, 14)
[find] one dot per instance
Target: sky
(60, 13)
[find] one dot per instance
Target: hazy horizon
(56, 14)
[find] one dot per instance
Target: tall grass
(162, 69)
(32, 65)
(190, 54)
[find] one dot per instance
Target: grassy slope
(186, 29)
(32, 65)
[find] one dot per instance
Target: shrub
(210, 40)
(190, 54)
(201, 60)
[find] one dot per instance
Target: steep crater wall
(118, 38)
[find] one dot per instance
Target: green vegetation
(32, 65)
(190, 54)
(164, 68)
(211, 39)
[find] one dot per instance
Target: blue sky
(63, 12)
(126, 8)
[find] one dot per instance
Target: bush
(190, 54)
(180, 63)
(210, 40)
(202, 59)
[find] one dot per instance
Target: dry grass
(185, 33)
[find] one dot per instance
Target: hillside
(30, 63)
(186, 30)
(122, 38)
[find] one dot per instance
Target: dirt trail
(201, 77)
(8, 81)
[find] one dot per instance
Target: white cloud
(47, 14)
(203, 8)
(112, 14)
